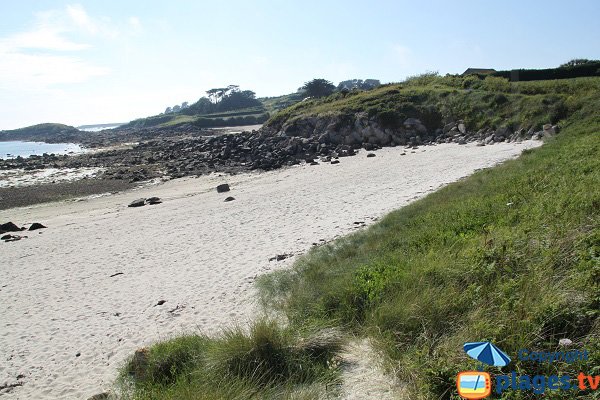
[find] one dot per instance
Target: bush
(496, 84)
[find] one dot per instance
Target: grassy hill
(481, 103)
(49, 132)
(243, 116)
(510, 254)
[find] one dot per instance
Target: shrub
(496, 84)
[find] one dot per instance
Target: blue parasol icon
(487, 353)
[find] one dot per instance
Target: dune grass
(264, 361)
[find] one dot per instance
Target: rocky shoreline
(184, 152)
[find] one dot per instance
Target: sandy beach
(78, 298)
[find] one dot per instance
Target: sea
(25, 149)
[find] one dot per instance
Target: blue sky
(108, 61)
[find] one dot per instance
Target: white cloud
(36, 58)
(20, 71)
(42, 38)
(81, 19)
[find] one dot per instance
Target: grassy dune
(510, 254)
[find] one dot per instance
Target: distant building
(478, 71)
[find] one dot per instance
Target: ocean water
(26, 149)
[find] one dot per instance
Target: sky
(87, 62)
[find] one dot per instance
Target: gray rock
(230, 199)
(137, 203)
(565, 342)
(223, 188)
(153, 200)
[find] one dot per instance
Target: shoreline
(196, 252)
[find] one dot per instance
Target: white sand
(195, 251)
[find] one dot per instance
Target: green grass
(246, 116)
(510, 254)
(267, 362)
(437, 100)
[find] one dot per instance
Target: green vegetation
(510, 254)
(49, 132)
(267, 362)
(318, 88)
(573, 69)
(228, 106)
(482, 103)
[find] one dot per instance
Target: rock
(137, 203)
(36, 226)
(462, 128)
(335, 161)
(6, 237)
(462, 141)
(565, 342)
(161, 302)
(279, 257)
(548, 130)
(9, 227)
(223, 188)
(78, 355)
(230, 199)
(153, 200)
(370, 155)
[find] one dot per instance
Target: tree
(318, 88)
(184, 105)
(578, 61)
(351, 84)
(176, 108)
(169, 110)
